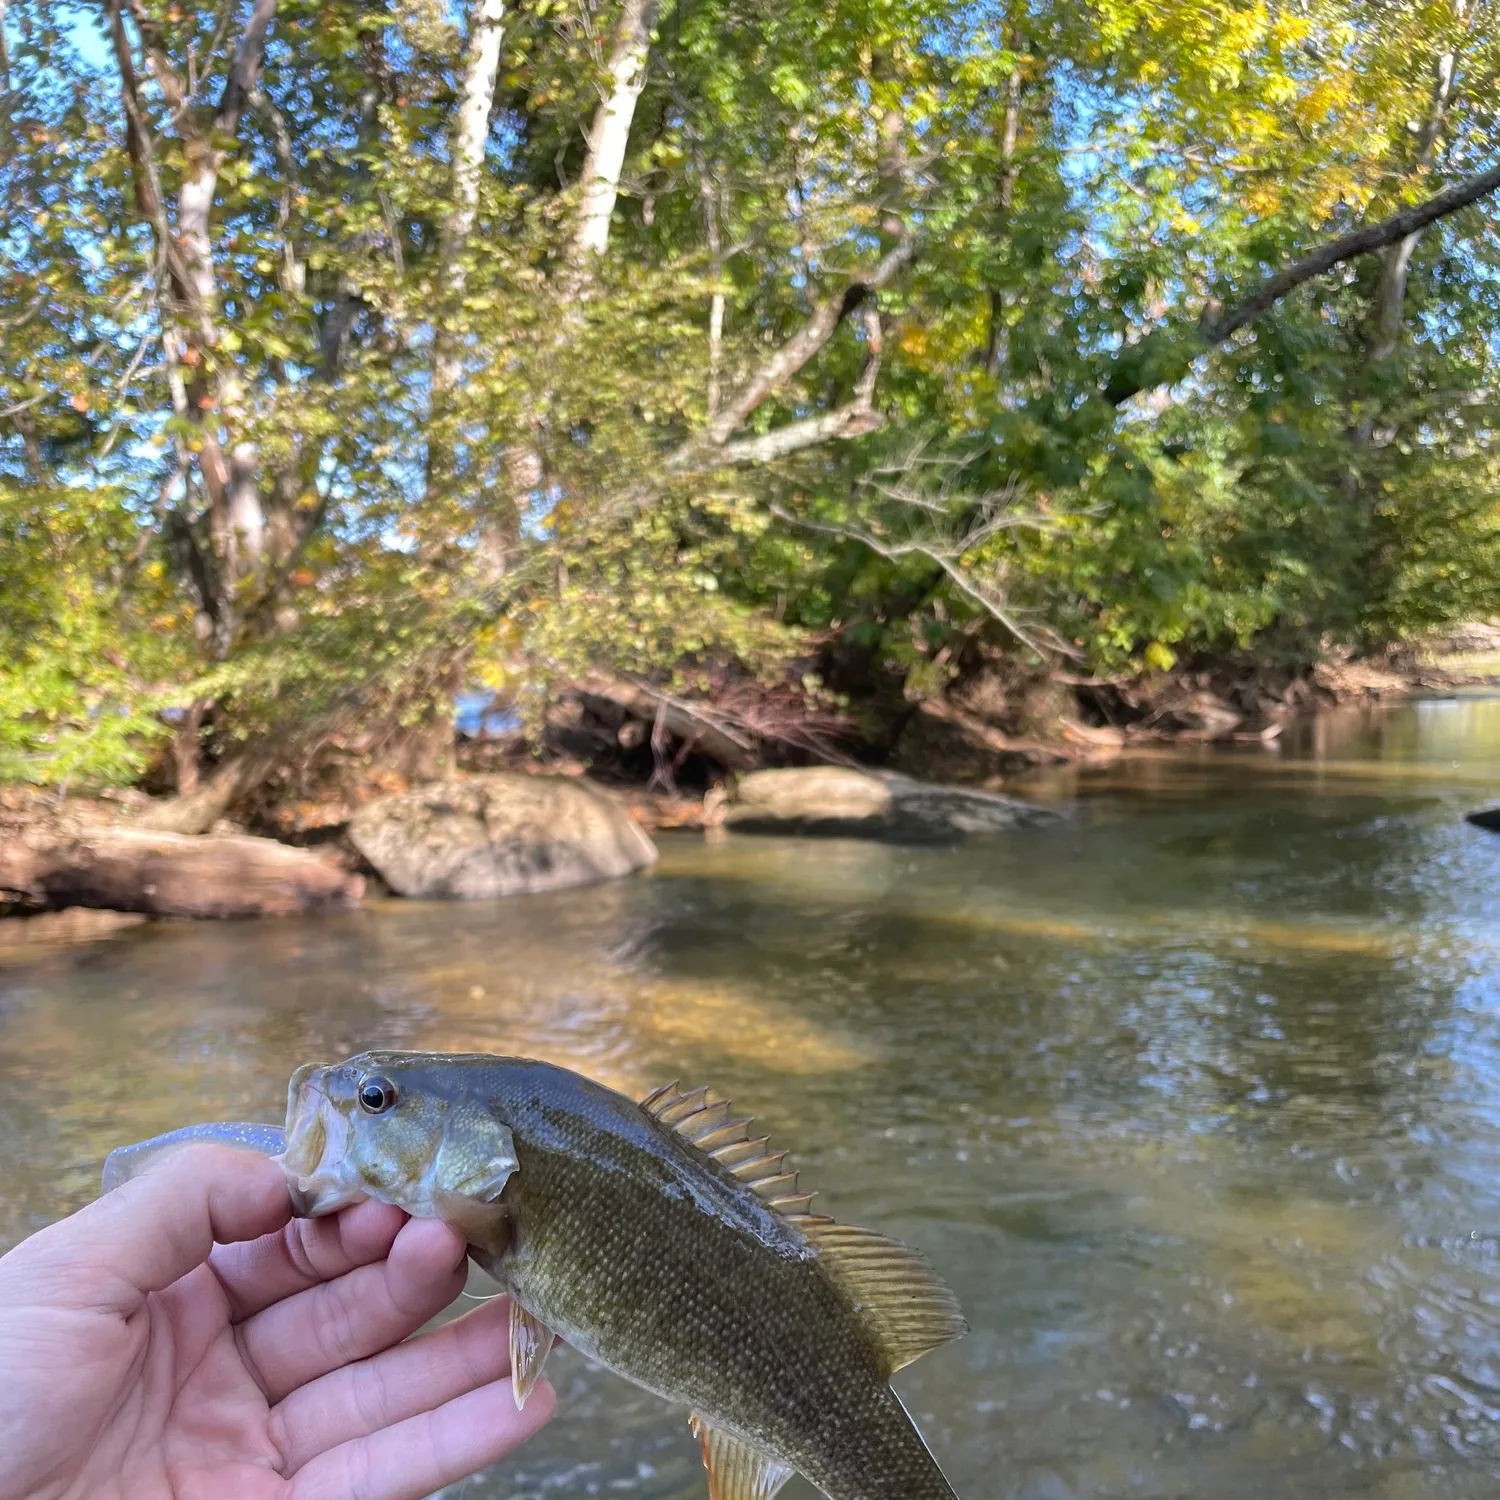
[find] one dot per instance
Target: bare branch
(857, 419)
(791, 357)
(956, 524)
(986, 599)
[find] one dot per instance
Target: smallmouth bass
(664, 1239)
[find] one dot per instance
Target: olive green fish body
(659, 1264)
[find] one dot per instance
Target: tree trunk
(610, 135)
(165, 875)
(1009, 134)
(677, 719)
(1390, 296)
(200, 809)
(476, 101)
(609, 138)
(185, 752)
(714, 233)
(189, 296)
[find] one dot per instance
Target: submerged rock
(500, 835)
(834, 800)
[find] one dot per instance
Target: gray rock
(499, 835)
(834, 800)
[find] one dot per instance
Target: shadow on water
(1196, 1102)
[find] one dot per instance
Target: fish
(663, 1238)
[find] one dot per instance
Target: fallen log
(679, 719)
(171, 875)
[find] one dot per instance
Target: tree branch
(852, 421)
(966, 584)
(857, 419)
(1347, 247)
(943, 523)
(244, 72)
(698, 452)
(156, 54)
(1149, 363)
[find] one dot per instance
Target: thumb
(156, 1228)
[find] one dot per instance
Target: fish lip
(313, 1166)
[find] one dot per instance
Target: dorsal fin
(702, 1117)
(906, 1304)
(902, 1300)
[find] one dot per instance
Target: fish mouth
(317, 1160)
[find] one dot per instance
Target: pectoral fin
(530, 1343)
(735, 1470)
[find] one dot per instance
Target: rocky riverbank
(615, 763)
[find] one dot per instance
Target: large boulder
(839, 801)
(499, 835)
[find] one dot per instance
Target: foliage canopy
(350, 349)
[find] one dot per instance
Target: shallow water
(1195, 1102)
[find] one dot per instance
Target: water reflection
(1197, 1102)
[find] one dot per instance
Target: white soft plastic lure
(125, 1162)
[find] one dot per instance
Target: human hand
(183, 1338)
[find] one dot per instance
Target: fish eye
(376, 1094)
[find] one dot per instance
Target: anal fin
(530, 1343)
(735, 1470)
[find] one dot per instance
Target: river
(1195, 1102)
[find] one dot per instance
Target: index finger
(156, 1228)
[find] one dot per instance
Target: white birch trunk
(481, 64)
(609, 138)
(716, 302)
(610, 135)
